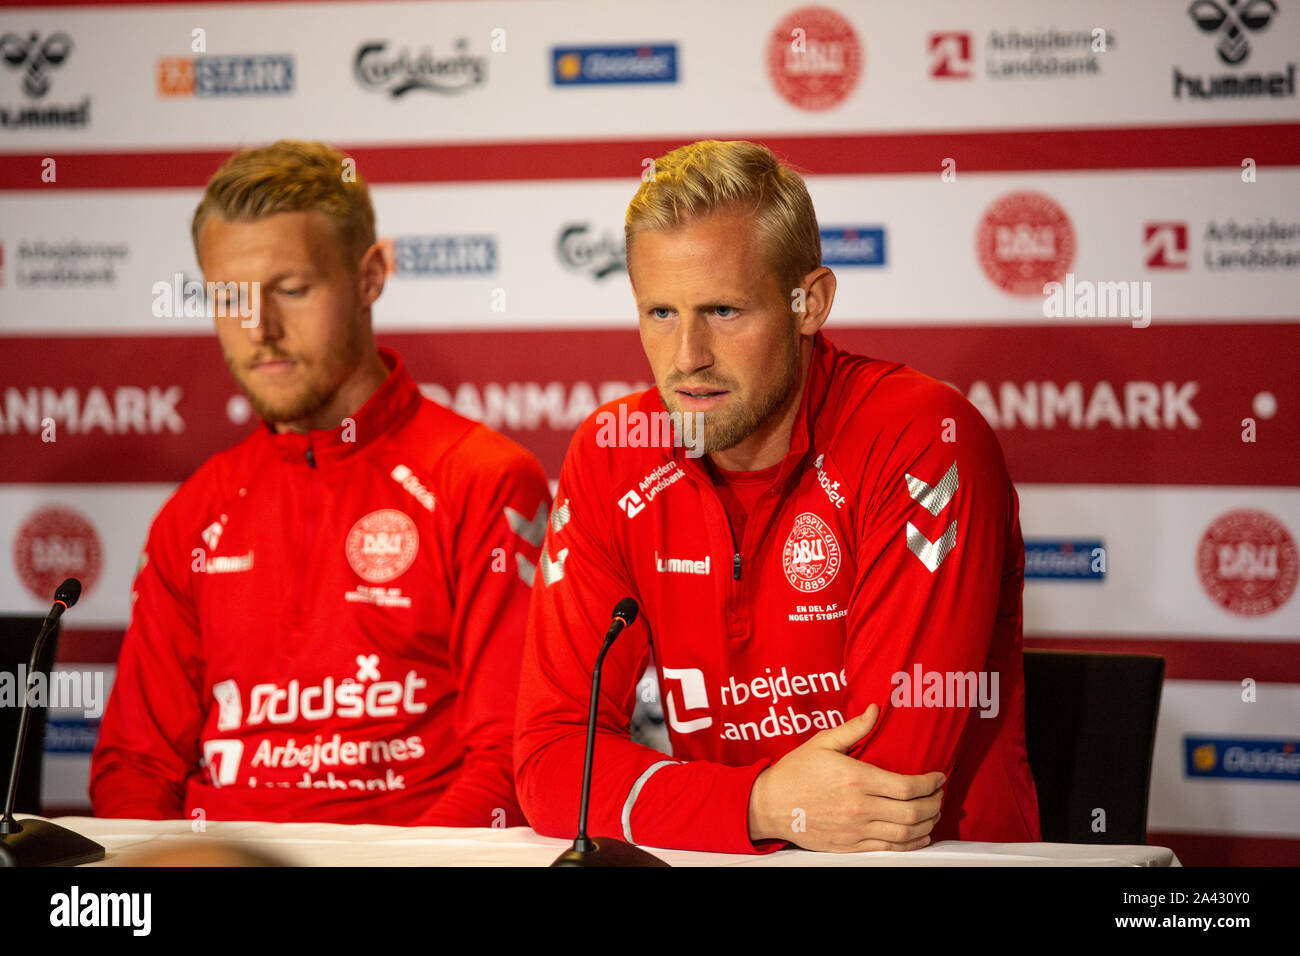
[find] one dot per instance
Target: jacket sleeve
(503, 497)
(148, 740)
(930, 577)
(637, 793)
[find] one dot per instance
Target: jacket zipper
(298, 612)
(737, 559)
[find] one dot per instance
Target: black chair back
(1090, 729)
(17, 638)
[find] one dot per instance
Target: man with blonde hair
(832, 593)
(327, 621)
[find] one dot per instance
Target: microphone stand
(602, 851)
(39, 842)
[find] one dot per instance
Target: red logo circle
(811, 556)
(814, 58)
(1247, 562)
(382, 545)
(1024, 241)
(54, 543)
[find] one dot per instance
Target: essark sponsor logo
(234, 75)
(421, 256)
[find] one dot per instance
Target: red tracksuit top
(886, 556)
(328, 627)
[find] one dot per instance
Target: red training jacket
(885, 565)
(328, 627)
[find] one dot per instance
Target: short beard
(714, 434)
(342, 358)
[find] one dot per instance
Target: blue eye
(730, 310)
(656, 312)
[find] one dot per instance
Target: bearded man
(328, 618)
(828, 562)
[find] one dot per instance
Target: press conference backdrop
(1146, 157)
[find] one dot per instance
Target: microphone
(603, 851)
(39, 842)
(67, 594)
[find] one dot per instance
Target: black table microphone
(39, 842)
(603, 851)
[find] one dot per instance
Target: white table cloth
(334, 844)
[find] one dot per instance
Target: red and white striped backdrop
(944, 146)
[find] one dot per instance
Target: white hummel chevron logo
(930, 552)
(553, 571)
(560, 516)
(527, 570)
(531, 531)
(933, 498)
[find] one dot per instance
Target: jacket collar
(392, 403)
(818, 385)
